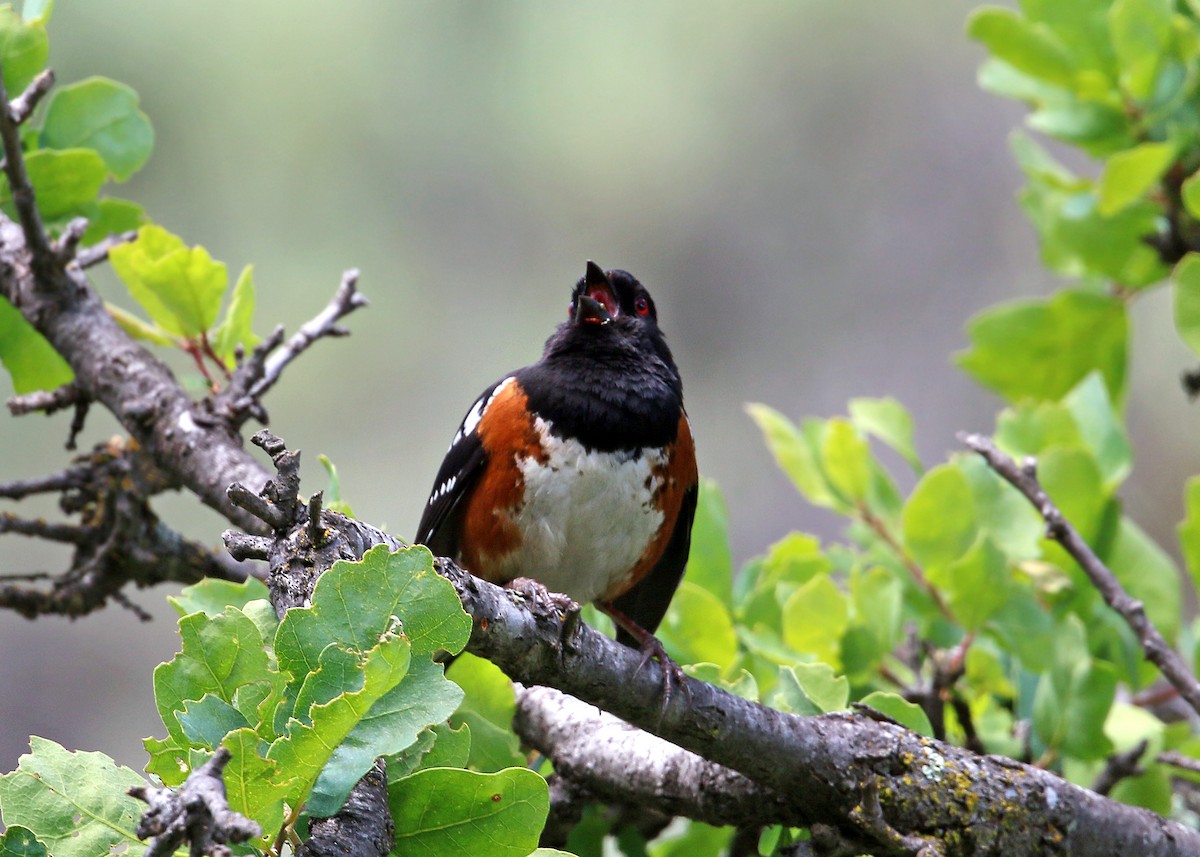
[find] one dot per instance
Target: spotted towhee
(579, 471)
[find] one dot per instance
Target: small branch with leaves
(1158, 651)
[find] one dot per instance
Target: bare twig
(46, 401)
(880, 528)
(1177, 760)
(23, 105)
(345, 300)
(43, 259)
(197, 813)
(1119, 766)
(67, 243)
(1158, 651)
(98, 252)
(39, 529)
(73, 477)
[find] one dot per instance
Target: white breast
(587, 516)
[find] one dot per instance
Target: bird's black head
(610, 313)
(601, 298)
(607, 376)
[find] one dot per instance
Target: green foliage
(31, 361)
(449, 811)
(73, 802)
(950, 583)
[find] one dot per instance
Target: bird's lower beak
(593, 310)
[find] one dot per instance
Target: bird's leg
(651, 649)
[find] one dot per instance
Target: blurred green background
(816, 193)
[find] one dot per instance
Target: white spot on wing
(471, 421)
(443, 489)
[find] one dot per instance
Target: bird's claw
(672, 673)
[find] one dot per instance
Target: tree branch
(618, 763)
(197, 812)
(1158, 651)
(867, 781)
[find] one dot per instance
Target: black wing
(464, 462)
(646, 602)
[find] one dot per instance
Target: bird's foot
(672, 674)
(546, 602)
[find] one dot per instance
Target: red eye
(641, 305)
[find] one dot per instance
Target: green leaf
(1077, 241)
(698, 627)
(73, 802)
(220, 654)
(211, 596)
(1190, 192)
(179, 287)
(846, 459)
(939, 518)
(64, 181)
(710, 563)
(24, 49)
(1072, 479)
(1189, 530)
(137, 328)
(794, 454)
(251, 784)
(743, 683)
(1141, 33)
(976, 585)
(1040, 165)
(31, 361)
(878, 599)
(1149, 574)
(1130, 174)
(440, 746)
(1100, 429)
(355, 602)
(1026, 46)
(1186, 280)
(1099, 129)
(235, 329)
(901, 710)
(815, 617)
(100, 114)
(1073, 699)
(1040, 349)
(207, 722)
(1002, 512)
(811, 689)
(358, 695)
(448, 811)
(422, 699)
(889, 421)
(306, 748)
(111, 216)
(20, 842)
(333, 490)
(488, 708)
(36, 11)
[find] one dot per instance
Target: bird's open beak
(598, 304)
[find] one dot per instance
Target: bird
(579, 471)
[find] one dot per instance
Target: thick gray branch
(869, 781)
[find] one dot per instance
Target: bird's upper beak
(598, 303)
